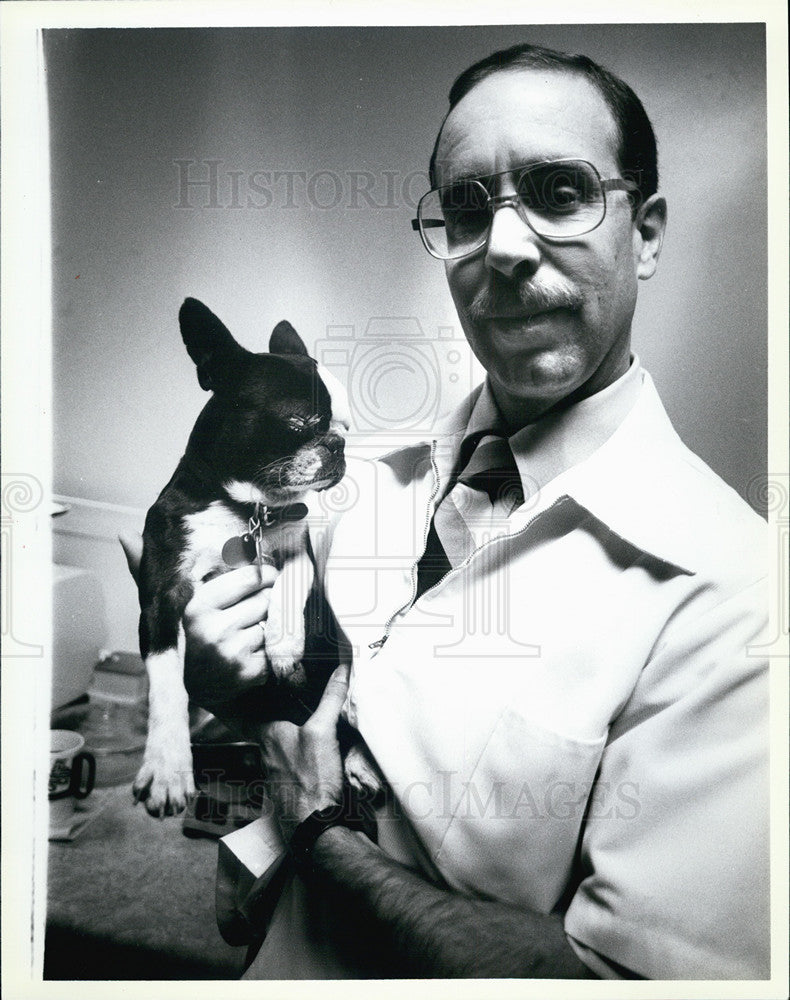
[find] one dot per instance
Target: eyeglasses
(560, 199)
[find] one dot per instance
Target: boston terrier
(269, 435)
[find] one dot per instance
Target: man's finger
(250, 610)
(132, 545)
(229, 588)
(334, 695)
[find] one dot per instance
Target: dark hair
(637, 155)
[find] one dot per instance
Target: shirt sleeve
(675, 872)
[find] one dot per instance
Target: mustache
(498, 299)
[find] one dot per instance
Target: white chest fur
(207, 531)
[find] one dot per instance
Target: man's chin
(540, 377)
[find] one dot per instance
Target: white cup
(72, 774)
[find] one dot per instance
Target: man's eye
(468, 220)
(555, 191)
(564, 198)
(463, 198)
(552, 197)
(464, 207)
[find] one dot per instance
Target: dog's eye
(302, 425)
(298, 425)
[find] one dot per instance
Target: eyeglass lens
(557, 199)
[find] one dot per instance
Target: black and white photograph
(395, 501)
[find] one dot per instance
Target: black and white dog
(270, 434)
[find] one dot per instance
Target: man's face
(536, 357)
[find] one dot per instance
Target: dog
(269, 437)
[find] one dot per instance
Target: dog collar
(242, 550)
(270, 517)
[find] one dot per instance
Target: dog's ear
(209, 343)
(285, 340)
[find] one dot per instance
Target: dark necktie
(492, 470)
(487, 489)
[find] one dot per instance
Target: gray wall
(346, 108)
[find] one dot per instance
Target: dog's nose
(333, 443)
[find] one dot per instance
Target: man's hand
(304, 771)
(224, 653)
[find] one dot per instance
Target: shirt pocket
(516, 820)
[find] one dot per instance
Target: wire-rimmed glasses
(557, 199)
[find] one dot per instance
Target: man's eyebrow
(488, 175)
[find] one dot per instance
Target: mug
(72, 775)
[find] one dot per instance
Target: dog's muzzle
(331, 448)
(333, 443)
(318, 465)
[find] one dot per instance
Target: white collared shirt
(575, 717)
(550, 445)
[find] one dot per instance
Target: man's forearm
(422, 931)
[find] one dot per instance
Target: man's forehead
(518, 116)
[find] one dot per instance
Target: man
(580, 789)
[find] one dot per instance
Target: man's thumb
(333, 697)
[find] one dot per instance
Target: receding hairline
(616, 137)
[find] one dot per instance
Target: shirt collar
(641, 482)
(645, 485)
(559, 441)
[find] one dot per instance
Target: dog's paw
(165, 783)
(362, 773)
(284, 655)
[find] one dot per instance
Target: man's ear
(285, 340)
(209, 343)
(649, 227)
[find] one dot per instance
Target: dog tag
(240, 550)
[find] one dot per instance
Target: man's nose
(511, 243)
